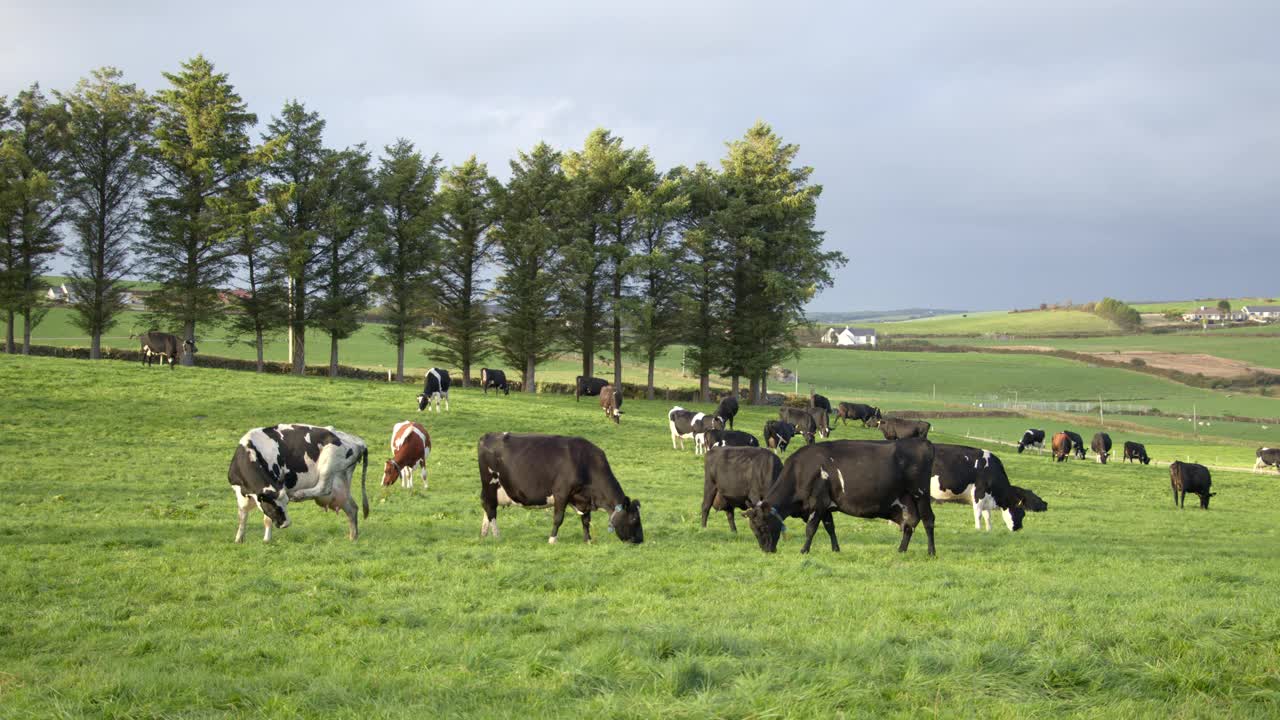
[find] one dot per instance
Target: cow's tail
(364, 496)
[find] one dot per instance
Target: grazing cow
(818, 401)
(490, 378)
(410, 448)
(863, 478)
(587, 386)
(691, 424)
(1136, 451)
(1101, 446)
(968, 474)
(163, 346)
(1061, 446)
(611, 403)
(730, 438)
(737, 477)
(1031, 438)
(809, 422)
(273, 466)
(898, 429)
(727, 410)
(435, 389)
(541, 470)
(1190, 478)
(1077, 444)
(1267, 457)
(857, 411)
(777, 434)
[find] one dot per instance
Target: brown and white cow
(410, 448)
(611, 403)
(1061, 446)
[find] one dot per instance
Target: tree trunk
(26, 331)
(188, 333)
(466, 372)
(333, 356)
(648, 393)
(400, 360)
(764, 386)
(704, 386)
(95, 346)
(755, 390)
(8, 335)
(735, 385)
(588, 354)
(529, 385)
(258, 346)
(298, 326)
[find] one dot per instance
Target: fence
(1068, 406)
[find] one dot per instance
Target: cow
(540, 470)
(809, 422)
(1191, 478)
(1061, 446)
(777, 434)
(434, 389)
(1031, 438)
(736, 477)
(969, 474)
(820, 402)
(1077, 444)
(1267, 457)
(856, 411)
(587, 386)
(691, 424)
(163, 346)
(273, 466)
(730, 438)
(611, 403)
(1136, 451)
(490, 378)
(410, 448)
(863, 478)
(898, 429)
(1101, 446)
(727, 410)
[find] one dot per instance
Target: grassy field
(1247, 347)
(1039, 323)
(1186, 305)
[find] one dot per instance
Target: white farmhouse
(1210, 315)
(1262, 313)
(856, 336)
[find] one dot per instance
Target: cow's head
(766, 524)
(390, 471)
(825, 431)
(1204, 499)
(274, 505)
(422, 402)
(1145, 460)
(624, 521)
(1013, 517)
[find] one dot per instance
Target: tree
(262, 306)
(465, 214)
(701, 306)
(32, 158)
(296, 191)
(531, 222)
(654, 309)
(343, 273)
(403, 242)
(201, 155)
(1224, 306)
(109, 129)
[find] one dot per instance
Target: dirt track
(1209, 365)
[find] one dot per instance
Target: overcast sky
(972, 154)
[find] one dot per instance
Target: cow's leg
(353, 523)
(488, 501)
(924, 506)
(829, 522)
(446, 401)
(910, 518)
(673, 436)
(266, 528)
(1175, 496)
(733, 526)
(557, 517)
(977, 514)
(810, 528)
(423, 465)
(1182, 499)
(406, 477)
(708, 499)
(586, 526)
(244, 504)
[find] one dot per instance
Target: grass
(1038, 322)
(1187, 305)
(124, 596)
(1235, 345)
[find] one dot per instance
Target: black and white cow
(898, 428)
(1267, 457)
(730, 438)
(1190, 478)
(727, 410)
(777, 434)
(590, 386)
(435, 389)
(1101, 446)
(736, 477)
(563, 472)
(863, 478)
(691, 424)
(1136, 451)
(1077, 444)
(490, 378)
(857, 411)
(1031, 438)
(274, 466)
(969, 474)
(808, 422)
(166, 347)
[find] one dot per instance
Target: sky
(976, 155)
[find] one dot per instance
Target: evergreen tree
(404, 243)
(109, 129)
(465, 214)
(343, 271)
(701, 299)
(653, 309)
(261, 308)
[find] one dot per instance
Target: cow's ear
(635, 505)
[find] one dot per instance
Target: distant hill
(851, 317)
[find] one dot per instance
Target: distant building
(1262, 313)
(830, 337)
(856, 336)
(1207, 314)
(58, 294)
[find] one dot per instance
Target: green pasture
(1188, 305)
(1037, 322)
(1252, 348)
(125, 597)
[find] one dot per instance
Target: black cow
(1077, 444)
(1267, 457)
(863, 478)
(727, 410)
(809, 422)
(1101, 446)
(777, 434)
(736, 477)
(540, 470)
(819, 401)
(856, 411)
(1190, 478)
(494, 379)
(691, 424)
(165, 346)
(590, 386)
(435, 389)
(898, 429)
(1031, 438)
(1136, 451)
(730, 438)
(968, 474)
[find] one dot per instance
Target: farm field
(1187, 305)
(126, 597)
(1046, 322)
(1263, 351)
